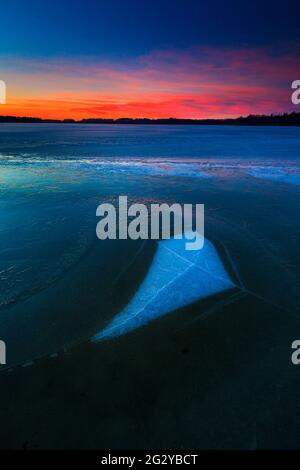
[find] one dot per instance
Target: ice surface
(176, 278)
(276, 174)
(145, 167)
(155, 168)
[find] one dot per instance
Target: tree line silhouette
(285, 119)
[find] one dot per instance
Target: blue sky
(118, 28)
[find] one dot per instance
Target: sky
(185, 59)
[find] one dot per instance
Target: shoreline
(286, 119)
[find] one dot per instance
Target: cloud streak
(195, 83)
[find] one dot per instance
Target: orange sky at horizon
(201, 83)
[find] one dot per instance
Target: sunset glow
(198, 82)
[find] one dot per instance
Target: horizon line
(249, 117)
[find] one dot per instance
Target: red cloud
(201, 82)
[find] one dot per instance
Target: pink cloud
(200, 82)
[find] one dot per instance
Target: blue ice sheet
(176, 278)
(174, 169)
(276, 174)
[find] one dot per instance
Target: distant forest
(286, 119)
